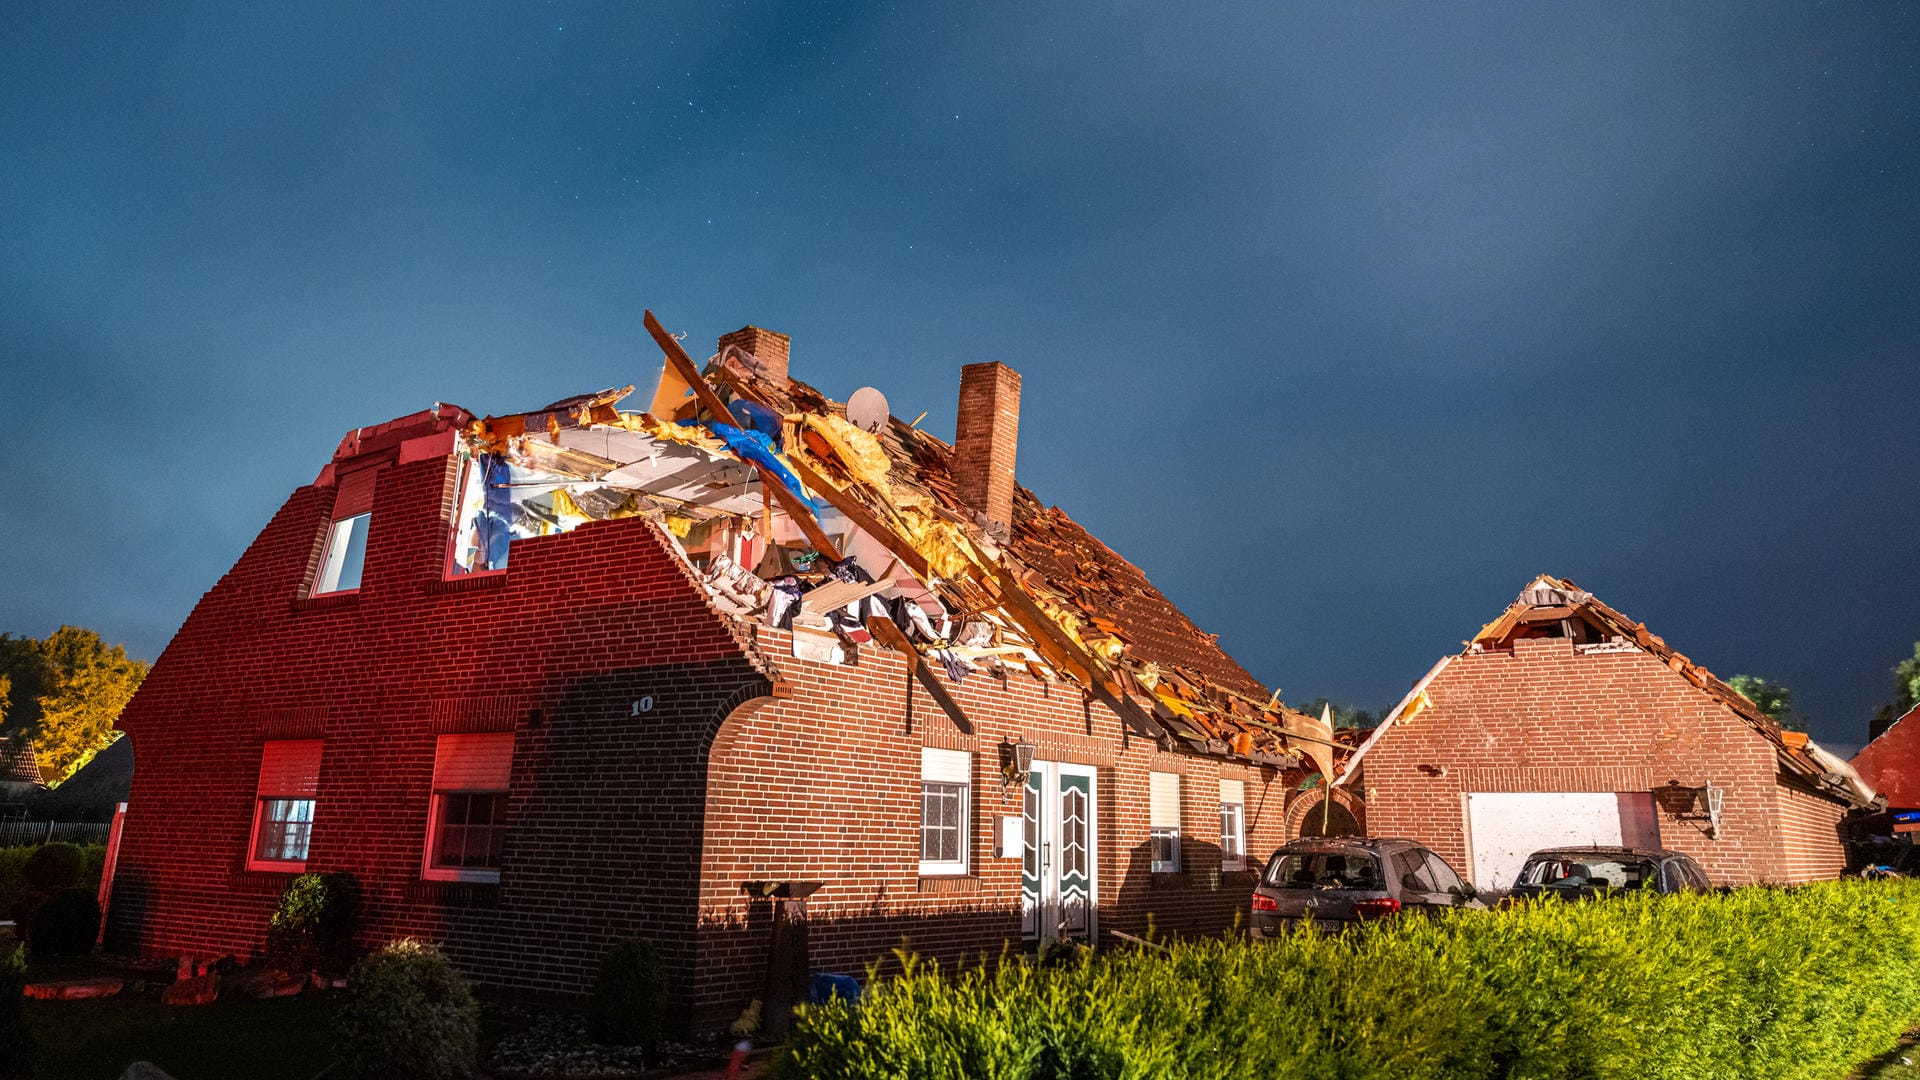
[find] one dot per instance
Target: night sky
(1341, 321)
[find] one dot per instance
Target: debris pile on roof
(1555, 607)
(792, 515)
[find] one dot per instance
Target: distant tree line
(64, 692)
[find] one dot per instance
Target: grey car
(1571, 872)
(1350, 879)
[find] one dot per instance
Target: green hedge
(1806, 982)
(13, 865)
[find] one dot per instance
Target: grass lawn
(283, 1039)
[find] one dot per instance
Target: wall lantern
(1016, 761)
(1707, 800)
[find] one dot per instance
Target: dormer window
(345, 556)
(345, 552)
(482, 530)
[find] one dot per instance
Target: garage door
(1503, 828)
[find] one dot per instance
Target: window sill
(463, 877)
(265, 877)
(455, 893)
(484, 579)
(345, 598)
(949, 883)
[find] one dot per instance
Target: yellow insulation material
(857, 450)
(648, 424)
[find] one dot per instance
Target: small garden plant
(629, 996)
(407, 1015)
(313, 925)
(16, 1042)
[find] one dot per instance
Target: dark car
(1350, 879)
(1571, 872)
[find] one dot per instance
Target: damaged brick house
(1565, 722)
(544, 680)
(1891, 763)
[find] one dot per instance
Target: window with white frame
(945, 795)
(1164, 822)
(283, 805)
(1233, 824)
(345, 552)
(482, 534)
(467, 823)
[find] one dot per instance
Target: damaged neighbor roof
(794, 516)
(1556, 607)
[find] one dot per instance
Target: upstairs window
(1163, 812)
(283, 805)
(483, 517)
(1233, 824)
(945, 794)
(345, 553)
(467, 822)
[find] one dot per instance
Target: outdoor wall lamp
(1016, 761)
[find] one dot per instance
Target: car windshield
(1588, 872)
(1325, 870)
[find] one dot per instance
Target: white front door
(1059, 877)
(1505, 827)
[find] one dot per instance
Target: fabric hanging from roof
(473, 762)
(1164, 800)
(290, 769)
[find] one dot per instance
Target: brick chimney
(985, 437)
(769, 348)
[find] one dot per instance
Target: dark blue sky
(1339, 320)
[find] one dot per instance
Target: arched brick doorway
(1309, 815)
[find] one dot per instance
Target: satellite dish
(867, 410)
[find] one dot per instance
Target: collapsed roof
(765, 487)
(1556, 607)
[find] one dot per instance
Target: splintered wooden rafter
(684, 367)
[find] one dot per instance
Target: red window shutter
(473, 762)
(355, 495)
(290, 769)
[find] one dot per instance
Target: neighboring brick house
(19, 767)
(515, 676)
(1565, 722)
(1891, 763)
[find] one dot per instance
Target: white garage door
(1503, 828)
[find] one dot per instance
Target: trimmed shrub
(1801, 984)
(16, 1042)
(53, 867)
(629, 996)
(407, 1014)
(313, 925)
(68, 924)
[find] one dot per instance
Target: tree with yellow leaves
(67, 689)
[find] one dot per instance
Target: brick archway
(1310, 802)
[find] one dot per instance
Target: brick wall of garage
(1549, 716)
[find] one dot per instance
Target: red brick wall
(1549, 717)
(825, 786)
(606, 806)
